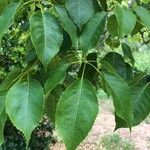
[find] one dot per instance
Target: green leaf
(141, 104)
(46, 36)
(2, 100)
(3, 118)
(56, 76)
(7, 16)
(144, 16)
(112, 25)
(137, 28)
(126, 20)
(92, 31)
(12, 77)
(117, 62)
(24, 105)
(120, 92)
(127, 52)
(3, 4)
(76, 112)
(67, 24)
(75, 9)
(50, 107)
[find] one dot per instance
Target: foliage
(65, 59)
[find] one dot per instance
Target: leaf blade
(78, 100)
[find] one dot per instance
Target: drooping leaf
(7, 16)
(66, 46)
(46, 36)
(3, 118)
(129, 71)
(144, 16)
(92, 31)
(12, 77)
(141, 105)
(56, 76)
(126, 20)
(76, 112)
(67, 24)
(24, 105)
(75, 9)
(127, 52)
(120, 92)
(112, 25)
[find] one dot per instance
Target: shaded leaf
(112, 25)
(3, 4)
(117, 62)
(127, 52)
(141, 105)
(56, 76)
(3, 118)
(50, 106)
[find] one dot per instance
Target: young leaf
(68, 25)
(127, 52)
(120, 92)
(75, 9)
(3, 118)
(46, 36)
(24, 105)
(76, 112)
(7, 16)
(126, 20)
(56, 76)
(92, 31)
(144, 16)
